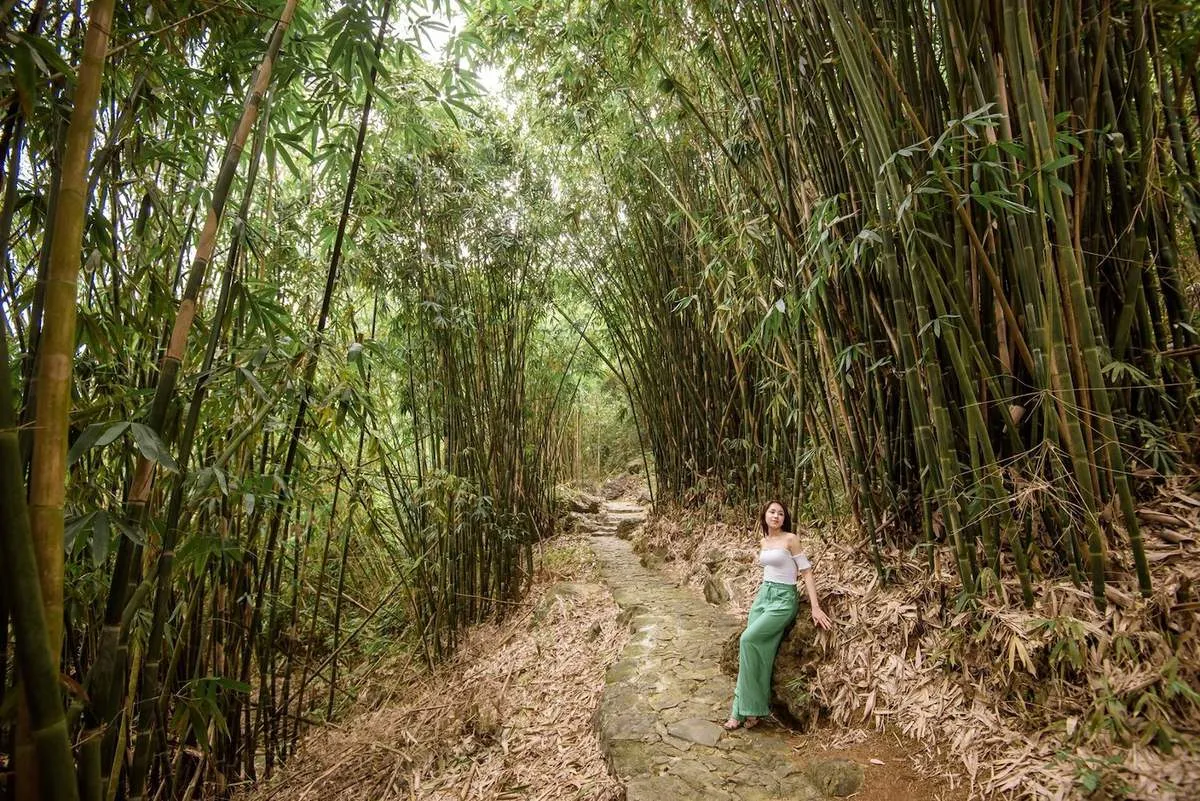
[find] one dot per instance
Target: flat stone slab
(664, 701)
(695, 730)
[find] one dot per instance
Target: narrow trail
(659, 720)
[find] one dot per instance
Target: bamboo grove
(272, 282)
(935, 261)
(298, 334)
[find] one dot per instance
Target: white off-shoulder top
(781, 566)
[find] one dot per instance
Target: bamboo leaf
(24, 78)
(101, 538)
(152, 447)
(96, 435)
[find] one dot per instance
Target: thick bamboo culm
(63, 243)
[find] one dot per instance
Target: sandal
(733, 724)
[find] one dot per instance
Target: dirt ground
(889, 764)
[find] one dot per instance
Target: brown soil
(895, 770)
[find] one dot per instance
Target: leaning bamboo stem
(106, 674)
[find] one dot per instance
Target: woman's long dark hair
(787, 517)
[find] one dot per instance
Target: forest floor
(989, 700)
(542, 705)
(604, 683)
(661, 712)
(510, 716)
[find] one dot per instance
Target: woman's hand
(821, 619)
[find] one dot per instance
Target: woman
(774, 608)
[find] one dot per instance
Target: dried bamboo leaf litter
(1049, 703)
(508, 717)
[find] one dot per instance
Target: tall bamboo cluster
(475, 490)
(268, 454)
(954, 241)
(670, 291)
(1000, 225)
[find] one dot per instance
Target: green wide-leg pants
(773, 609)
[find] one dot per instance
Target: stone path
(659, 720)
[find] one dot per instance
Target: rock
(583, 523)
(652, 560)
(634, 468)
(585, 503)
(795, 667)
(714, 559)
(836, 777)
(696, 775)
(626, 615)
(670, 700)
(630, 726)
(715, 591)
(656, 788)
(643, 498)
(696, 730)
(625, 528)
(675, 742)
(621, 672)
(633, 759)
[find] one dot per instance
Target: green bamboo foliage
(953, 237)
(971, 164)
(107, 678)
(267, 646)
(210, 684)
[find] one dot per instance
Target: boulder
(584, 503)
(626, 527)
(795, 668)
(836, 777)
(696, 730)
(715, 591)
(582, 523)
(652, 560)
(634, 468)
(714, 559)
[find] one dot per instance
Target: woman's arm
(804, 567)
(819, 617)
